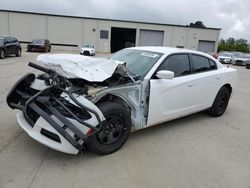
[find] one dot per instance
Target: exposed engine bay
(95, 74)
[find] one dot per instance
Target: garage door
(206, 46)
(151, 38)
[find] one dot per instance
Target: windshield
(243, 56)
(87, 46)
(138, 62)
(41, 42)
(1, 40)
(227, 54)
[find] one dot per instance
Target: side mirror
(164, 74)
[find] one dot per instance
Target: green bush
(240, 45)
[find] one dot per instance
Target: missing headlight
(79, 112)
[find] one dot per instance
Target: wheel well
(228, 86)
(114, 98)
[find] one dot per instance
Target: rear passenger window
(212, 64)
(179, 64)
(200, 64)
(12, 39)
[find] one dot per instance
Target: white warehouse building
(106, 35)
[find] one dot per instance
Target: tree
(198, 24)
(240, 45)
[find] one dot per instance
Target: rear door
(208, 81)
(14, 45)
(170, 99)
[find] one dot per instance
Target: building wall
(72, 32)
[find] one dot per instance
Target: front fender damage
(55, 117)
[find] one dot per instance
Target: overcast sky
(233, 16)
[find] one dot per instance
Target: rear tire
(220, 103)
(115, 131)
(19, 53)
(247, 66)
(2, 54)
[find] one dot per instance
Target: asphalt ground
(194, 151)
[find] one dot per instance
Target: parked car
(39, 45)
(225, 57)
(247, 62)
(241, 59)
(97, 102)
(87, 49)
(8, 46)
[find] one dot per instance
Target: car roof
(4, 36)
(39, 39)
(170, 50)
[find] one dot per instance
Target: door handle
(218, 77)
(191, 85)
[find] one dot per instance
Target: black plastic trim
(54, 124)
(50, 135)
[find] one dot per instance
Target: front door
(173, 98)
(8, 46)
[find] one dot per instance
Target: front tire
(2, 54)
(115, 130)
(220, 103)
(19, 53)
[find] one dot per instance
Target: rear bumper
(54, 122)
(37, 48)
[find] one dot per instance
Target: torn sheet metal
(78, 66)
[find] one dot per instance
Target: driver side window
(179, 64)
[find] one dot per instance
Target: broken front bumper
(61, 121)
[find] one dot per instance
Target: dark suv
(9, 45)
(39, 45)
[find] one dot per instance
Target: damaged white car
(97, 102)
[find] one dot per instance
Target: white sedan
(88, 50)
(226, 57)
(97, 102)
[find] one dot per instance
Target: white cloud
(230, 15)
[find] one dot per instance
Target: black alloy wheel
(19, 53)
(220, 103)
(115, 129)
(112, 131)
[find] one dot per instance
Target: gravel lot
(195, 151)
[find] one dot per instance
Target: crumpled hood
(77, 66)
